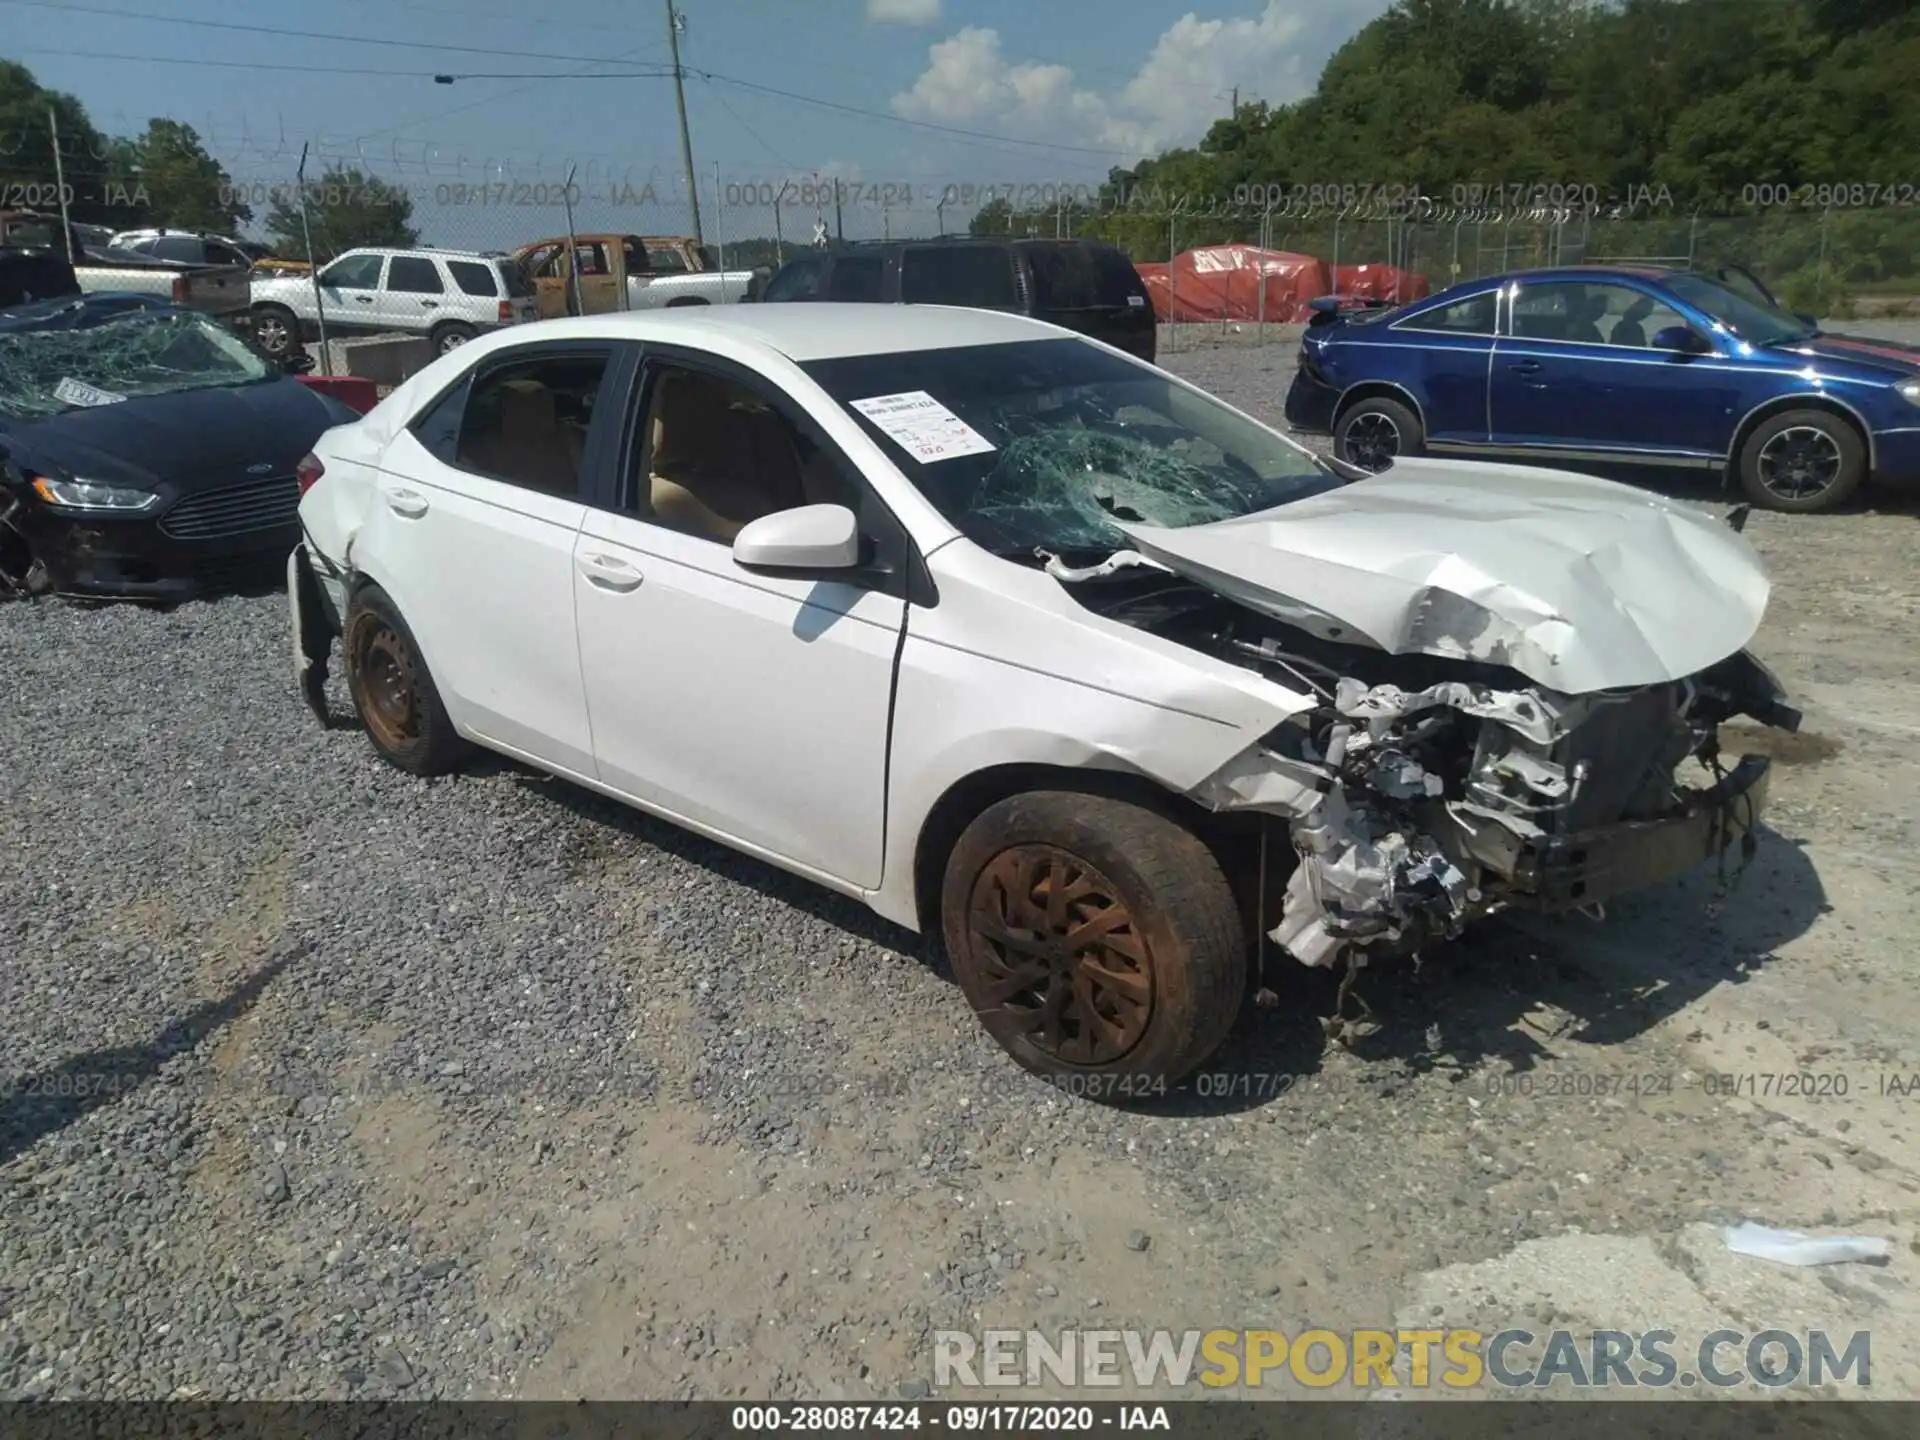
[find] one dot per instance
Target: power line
(345, 69)
(483, 100)
(64, 8)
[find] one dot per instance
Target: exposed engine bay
(1422, 792)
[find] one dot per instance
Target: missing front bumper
(1569, 872)
(315, 624)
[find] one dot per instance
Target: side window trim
(606, 406)
(1412, 322)
(1519, 288)
(898, 568)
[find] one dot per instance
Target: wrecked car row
(1035, 647)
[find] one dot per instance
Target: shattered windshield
(50, 371)
(1043, 445)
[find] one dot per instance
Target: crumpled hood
(1579, 584)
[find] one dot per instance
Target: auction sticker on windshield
(75, 392)
(923, 427)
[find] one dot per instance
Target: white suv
(447, 295)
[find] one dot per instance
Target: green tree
(28, 173)
(168, 176)
(993, 218)
(345, 208)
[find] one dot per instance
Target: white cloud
(903, 12)
(1181, 88)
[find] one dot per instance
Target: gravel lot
(323, 1081)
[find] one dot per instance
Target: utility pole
(674, 21)
(66, 226)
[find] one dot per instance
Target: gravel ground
(323, 1081)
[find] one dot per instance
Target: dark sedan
(1617, 366)
(146, 452)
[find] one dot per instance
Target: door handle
(364, 299)
(1525, 367)
(408, 503)
(429, 304)
(610, 574)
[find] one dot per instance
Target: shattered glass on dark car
(51, 371)
(1080, 439)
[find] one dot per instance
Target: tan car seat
(717, 459)
(531, 447)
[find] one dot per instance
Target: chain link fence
(1837, 260)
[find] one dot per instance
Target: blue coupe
(1613, 366)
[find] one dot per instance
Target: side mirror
(809, 537)
(1812, 322)
(1683, 338)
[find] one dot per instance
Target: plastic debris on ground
(1790, 1247)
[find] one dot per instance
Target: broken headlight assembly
(94, 495)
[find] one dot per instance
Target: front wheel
(1802, 462)
(393, 692)
(1374, 432)
(1097, 940)
(275, 331)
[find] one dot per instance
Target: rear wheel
(450, 336)
(1374, 432)
(1097, 940)
(1802, 461)
(392, 690)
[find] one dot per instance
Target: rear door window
(180, 249)
(980, 276)
(1082, 277)
(414, 275)
(856, 277)
(473, 278)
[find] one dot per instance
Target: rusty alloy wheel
(1062, 954)
(388, 672)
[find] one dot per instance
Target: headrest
(526, 410)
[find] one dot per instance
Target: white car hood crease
(1579, 584)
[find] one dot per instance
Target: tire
(275, 330)
(1180, 941)
(682, 304)
(1802, 462)
(393, 693)
(450, 336)
(1372, 433)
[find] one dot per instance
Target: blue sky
(1062, 89)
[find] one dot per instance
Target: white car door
(350, 292)
(752, 705)
(412, 294)
(478, 509)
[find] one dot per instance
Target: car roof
(869, 247)
(818, 330)
(1596, 271)
(416, 250)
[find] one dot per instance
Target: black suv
(1084, 285)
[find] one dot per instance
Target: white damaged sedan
(1023, 641)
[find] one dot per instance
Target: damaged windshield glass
(50, 371)
(1044, 445)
